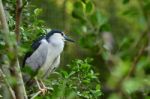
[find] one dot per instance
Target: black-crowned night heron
(45, 56)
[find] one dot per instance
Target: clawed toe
(43, 90)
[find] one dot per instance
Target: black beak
(68, 39)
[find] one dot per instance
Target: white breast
(53, 52)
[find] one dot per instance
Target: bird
(44, 57)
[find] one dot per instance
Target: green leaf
(147, 7)
(84, 1)
(78, 5)
(101, 18)
(132, 12)
(98, 87)
(37, 11)
(125, 1)
(78, 12)
(87, 41)
(86, 81)
(132, 85)
(98, 19)
(65, 74)
(89, 8)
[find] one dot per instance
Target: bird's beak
(68, 39)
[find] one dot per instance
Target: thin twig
(8, 85)
(138, 55)
(135, 61)
(18, 18)
(147, 20)
(19, 8)
(36, 94)
(20, 91)
(19, 88)
(24, 4)
(5, 31)
(4, 25)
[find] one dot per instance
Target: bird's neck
(57, 44)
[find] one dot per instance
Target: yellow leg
(37, 82)
(42, 88)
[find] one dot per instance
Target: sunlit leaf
(89, 7)
(37, 11)
(78, 11)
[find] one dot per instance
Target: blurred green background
(114, 33)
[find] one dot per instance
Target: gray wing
(56, 63)
(53, 66)
(38, 57)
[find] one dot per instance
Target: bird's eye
(62, 34)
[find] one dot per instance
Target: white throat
(57, 41)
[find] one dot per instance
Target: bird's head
(56, 35)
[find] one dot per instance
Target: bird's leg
(43, 85)
(37, 82)
(43, 88)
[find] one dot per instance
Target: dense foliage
(114, 33)
(78, 82)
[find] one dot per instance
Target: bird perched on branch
(44, 57)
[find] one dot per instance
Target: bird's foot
(43, 90)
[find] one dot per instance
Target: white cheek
(57, 41)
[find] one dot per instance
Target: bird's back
(33, 62)
(38, 57)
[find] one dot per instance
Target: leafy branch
(19, 88)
